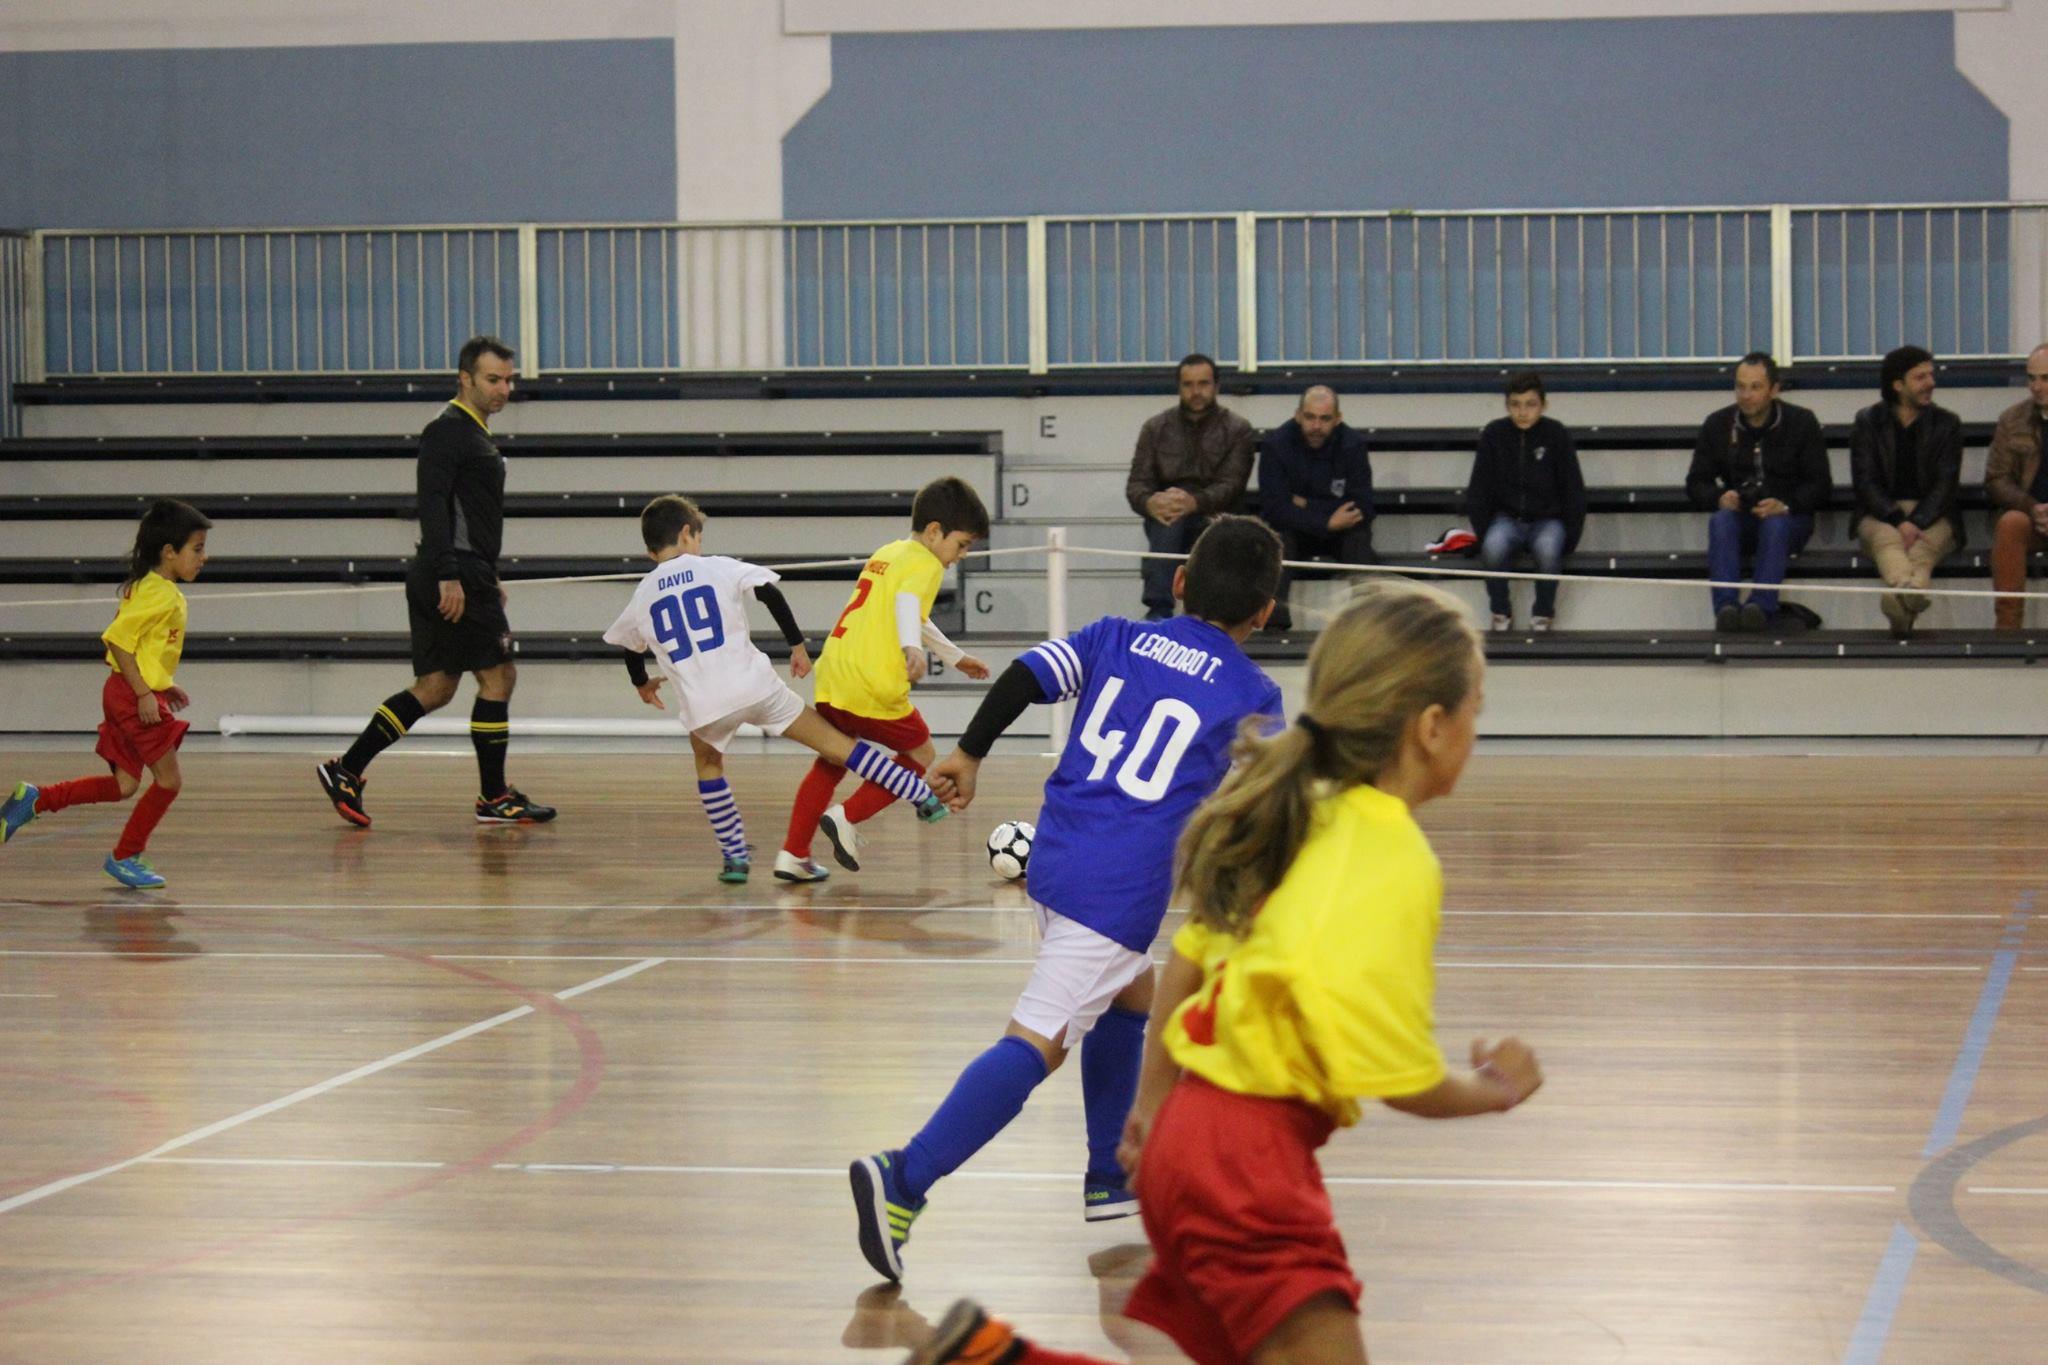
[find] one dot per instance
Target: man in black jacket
(1526, 492)
(1761, 467)
(454, 599)
(1905, 459)
(1315, 489)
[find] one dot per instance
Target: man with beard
(1192, 462)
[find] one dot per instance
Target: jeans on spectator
(1157, 574)
(1734, 534)
(1507, 537)
(1353, 546)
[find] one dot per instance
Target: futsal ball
(1009, 849)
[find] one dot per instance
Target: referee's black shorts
(481, 639)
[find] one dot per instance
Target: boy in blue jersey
(1160, 705)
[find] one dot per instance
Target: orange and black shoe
(513, 808)
(345, 790)
(967, 1335)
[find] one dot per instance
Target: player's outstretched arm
(1158, 1072)
(1503, 1075)
(770, 596)
(636, 671)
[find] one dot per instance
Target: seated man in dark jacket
(1526, 493)
(1906, 458)
(1315, 489)
(1761, 465)
(1191, 462)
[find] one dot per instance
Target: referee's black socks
(399, 713)
(490, 731)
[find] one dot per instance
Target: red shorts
(900, 735)
(1241, 1228)
(125, 741)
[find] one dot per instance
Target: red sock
(80, 791)
(813, 794)
(872, 799)
(1039, 1355)
(149, 810)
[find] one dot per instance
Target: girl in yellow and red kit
(140, 699)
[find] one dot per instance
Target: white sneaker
(834, 825)
(790, 868)
(1502, 624)
(1539, 624)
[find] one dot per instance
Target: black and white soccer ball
(1009, 848)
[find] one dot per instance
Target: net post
(1056, 620)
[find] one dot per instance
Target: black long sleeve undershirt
(771, 597)
(1015, 690)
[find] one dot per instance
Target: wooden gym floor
(440, 1093)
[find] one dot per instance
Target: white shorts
(1078, 974)
(774, 713)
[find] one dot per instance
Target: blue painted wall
(469, 132)
(1739, 110)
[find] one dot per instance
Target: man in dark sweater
(1906, 460)
(1526, 492)
(454, 599)
(1315, 489)
(1761, 467)
(1192, 461)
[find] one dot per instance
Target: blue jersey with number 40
(1161, 702)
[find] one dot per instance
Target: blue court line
(1888, 1286)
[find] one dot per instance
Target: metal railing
(1612, 286)
(18, 315)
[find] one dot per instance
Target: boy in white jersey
(688, 611)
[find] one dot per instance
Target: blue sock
(1110, 1057)
(989, 1093)
(724, 813)
(885, 772)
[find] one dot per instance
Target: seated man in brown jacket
(1192, 461)
(2017, 483)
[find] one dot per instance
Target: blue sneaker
(736, 869)
(18, 810)
(932, 811)
(1103, 1199)
(886, 1210)
(133, 872)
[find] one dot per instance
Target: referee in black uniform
(454, 599)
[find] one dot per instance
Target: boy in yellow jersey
(1302, 984)
(872, 657)
(139, 699)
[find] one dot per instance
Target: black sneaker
(1728, 620)
(1753, 620)
(345, 790)
(512, 809)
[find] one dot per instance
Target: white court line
(1067, 1177)
(918, 960)
(312, 1091)
(2006, 1189)
(25, 995)
(1025, 909)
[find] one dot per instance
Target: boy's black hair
(168, 522)
(953, 504)
(1233, 571)
(1527, 381)
(476, 347)
(663, 521)
(1765, 359)
(1897, 365)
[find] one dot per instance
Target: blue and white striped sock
(885, 772)
(724, 813)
